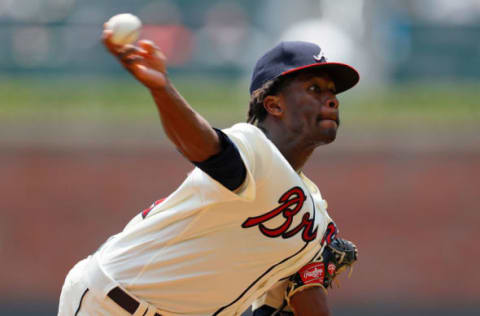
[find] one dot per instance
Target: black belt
(125, 301)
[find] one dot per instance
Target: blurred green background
(82, 149)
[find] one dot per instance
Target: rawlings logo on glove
(312, 273)
(338, 255)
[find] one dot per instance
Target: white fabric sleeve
(254, 147)
(256, 152)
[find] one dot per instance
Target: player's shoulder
(255, 148)
(242, 126)
(246, 130)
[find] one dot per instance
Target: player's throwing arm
(189, 131)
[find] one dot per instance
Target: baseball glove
(337, 256)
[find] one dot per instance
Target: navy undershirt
(227, 166)
(266, 310)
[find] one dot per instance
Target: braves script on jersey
(206, 250)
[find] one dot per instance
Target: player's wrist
(162, 90)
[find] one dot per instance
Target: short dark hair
(256, 110)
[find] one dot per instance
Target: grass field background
(109, 98)
(108, 110)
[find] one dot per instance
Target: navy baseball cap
(289, 57)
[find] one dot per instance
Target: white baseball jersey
(205, 250)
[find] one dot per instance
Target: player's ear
(273, 105)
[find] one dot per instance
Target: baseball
(125, 27)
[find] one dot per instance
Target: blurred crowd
(386, 40)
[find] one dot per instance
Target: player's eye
(316, 88)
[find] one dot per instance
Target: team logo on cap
(320, 57)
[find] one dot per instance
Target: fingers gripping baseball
(144, 61)
(152, 70)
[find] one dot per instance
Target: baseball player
(246, 227)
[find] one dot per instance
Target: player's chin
(328, 131)
(326, 136)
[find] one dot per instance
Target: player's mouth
(333, 118)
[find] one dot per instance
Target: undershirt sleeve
(227, 167)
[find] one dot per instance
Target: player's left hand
(338, 255)
(144, 61)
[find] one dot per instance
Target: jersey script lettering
(291, 202)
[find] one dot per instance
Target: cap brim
(343, 75)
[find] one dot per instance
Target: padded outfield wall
(414, 215)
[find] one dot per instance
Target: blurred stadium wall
(81, 149)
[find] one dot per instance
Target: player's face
(311, 107)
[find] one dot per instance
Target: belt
(102, 284)
(125, 301)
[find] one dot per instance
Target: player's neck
(295, 151)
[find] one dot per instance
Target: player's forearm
(310, 302)
(188, 130)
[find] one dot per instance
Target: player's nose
(332, 102)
